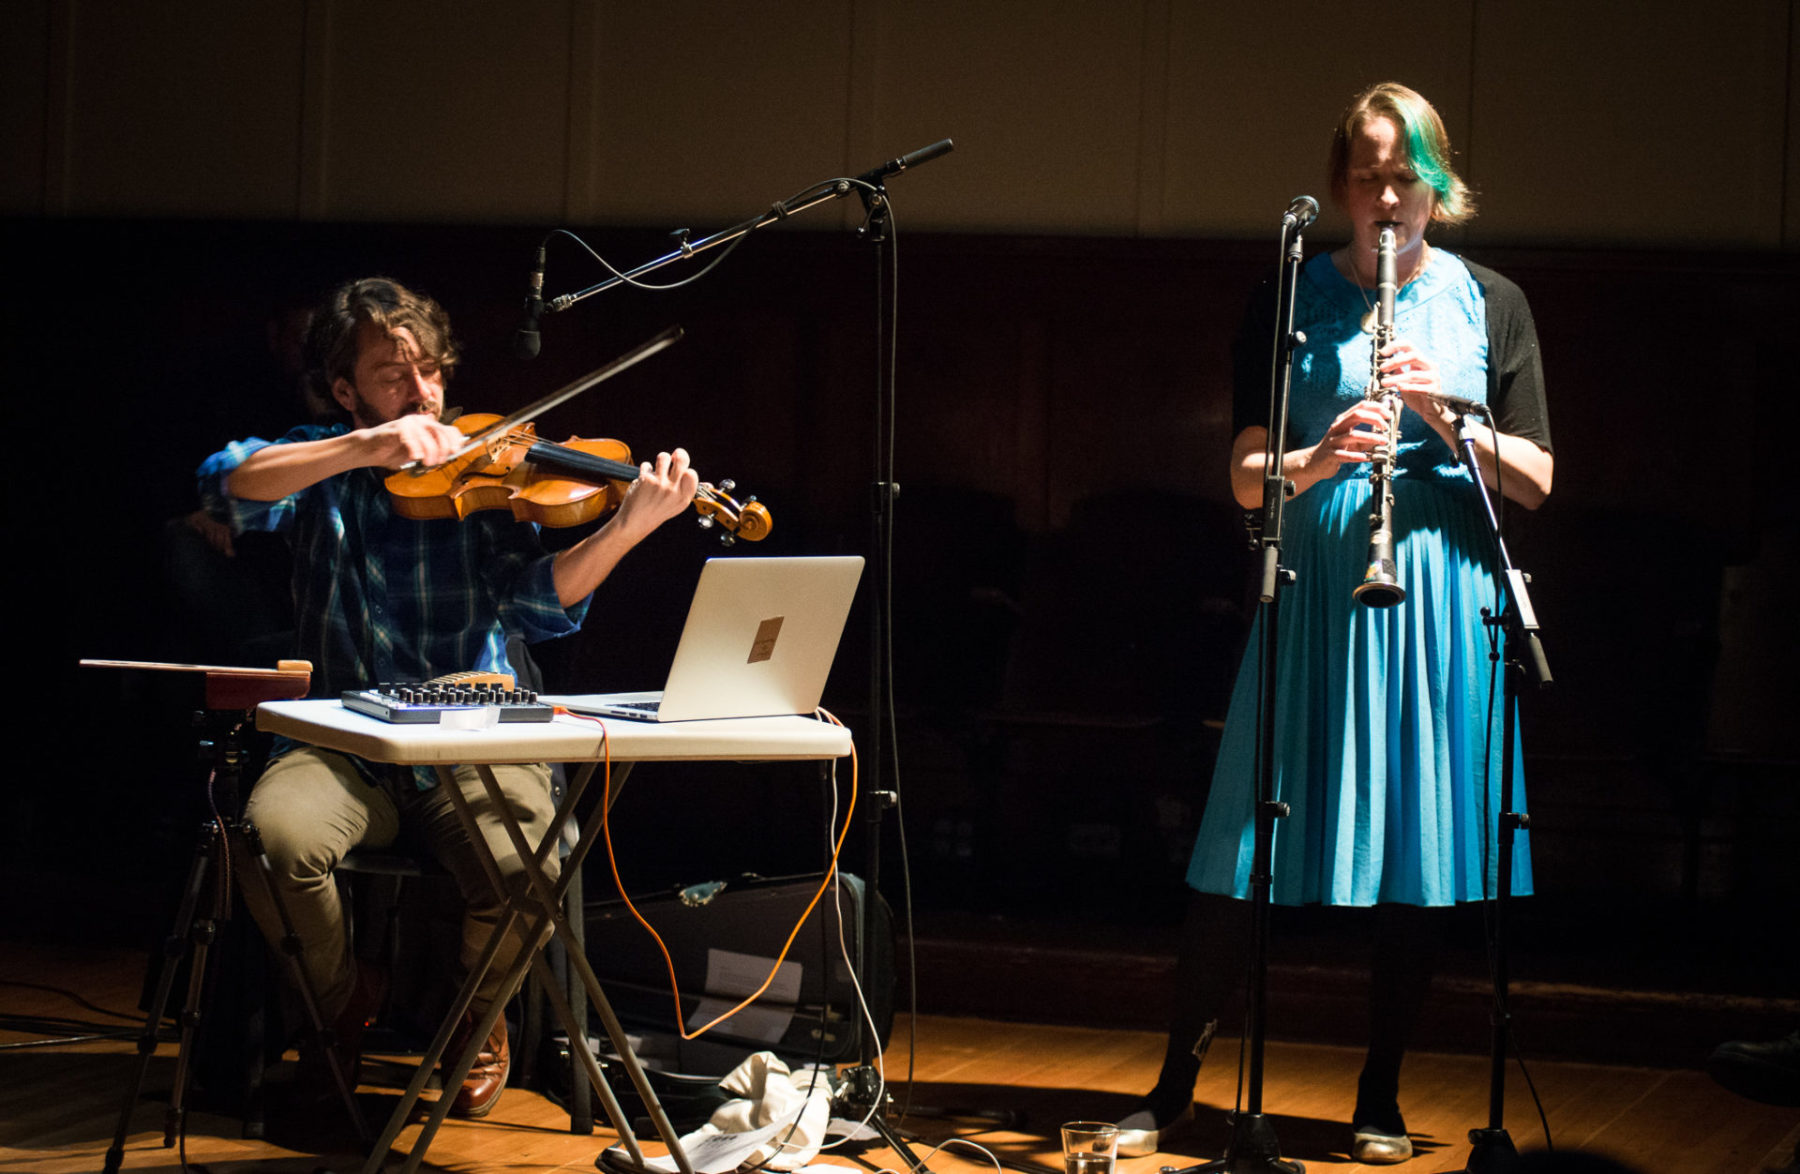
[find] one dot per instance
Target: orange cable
(674, 983)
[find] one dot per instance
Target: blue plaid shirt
(379, 597)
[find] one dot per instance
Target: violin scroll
(748, 520)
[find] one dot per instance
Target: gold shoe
(1375, 1148)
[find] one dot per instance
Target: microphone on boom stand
(863, 1094)
(525, 339)
(873, 192)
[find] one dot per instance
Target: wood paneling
(1253, 100)
(1069, 585)
(436, 119)
(1043, 101)
(1152, 118)
(25, 98)
(748, 106)
(1657, 127)
(186, 111)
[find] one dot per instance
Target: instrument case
(720, 936)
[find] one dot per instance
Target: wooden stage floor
(62, 1103)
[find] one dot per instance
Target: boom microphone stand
(1492, 1149)
(862, 1095)
(868, 185)
(1254, 1148)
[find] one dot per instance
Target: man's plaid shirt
(379, 597)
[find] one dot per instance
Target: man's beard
(365, 416)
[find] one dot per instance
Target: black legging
(1404, 945)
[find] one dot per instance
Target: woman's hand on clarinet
(1358, 431)
(1412, 376)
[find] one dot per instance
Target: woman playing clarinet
(1387, 718)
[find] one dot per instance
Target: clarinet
(1380, 587)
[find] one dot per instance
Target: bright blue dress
(1388, 720)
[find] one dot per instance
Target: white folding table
(570, 740)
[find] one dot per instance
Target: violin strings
(524, 434)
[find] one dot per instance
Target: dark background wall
(1070, 586)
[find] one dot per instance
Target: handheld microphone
(525, 338)
(1302, 212)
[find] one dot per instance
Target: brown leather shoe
(480, 1090)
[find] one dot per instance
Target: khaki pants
(312, 807)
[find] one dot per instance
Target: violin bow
(532, 411)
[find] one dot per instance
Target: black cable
(631, 281)
(887, 312)
(1495, 694)
(52, 1025)
(780, 206)
(78, 1000)
(1536, 1100)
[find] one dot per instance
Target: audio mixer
(427, 703)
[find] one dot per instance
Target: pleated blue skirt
(1388, 722)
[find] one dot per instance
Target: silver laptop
(759, 640)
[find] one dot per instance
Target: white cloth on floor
(792, 1108)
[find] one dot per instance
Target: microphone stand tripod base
(863, 1095)
(1253, 1150)
(1493, 1152)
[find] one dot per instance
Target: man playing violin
(379, 597)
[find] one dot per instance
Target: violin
(509, 467)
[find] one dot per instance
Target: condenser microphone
(525, 338)
(910, 159)
(1302, 212)
(1457, 403)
